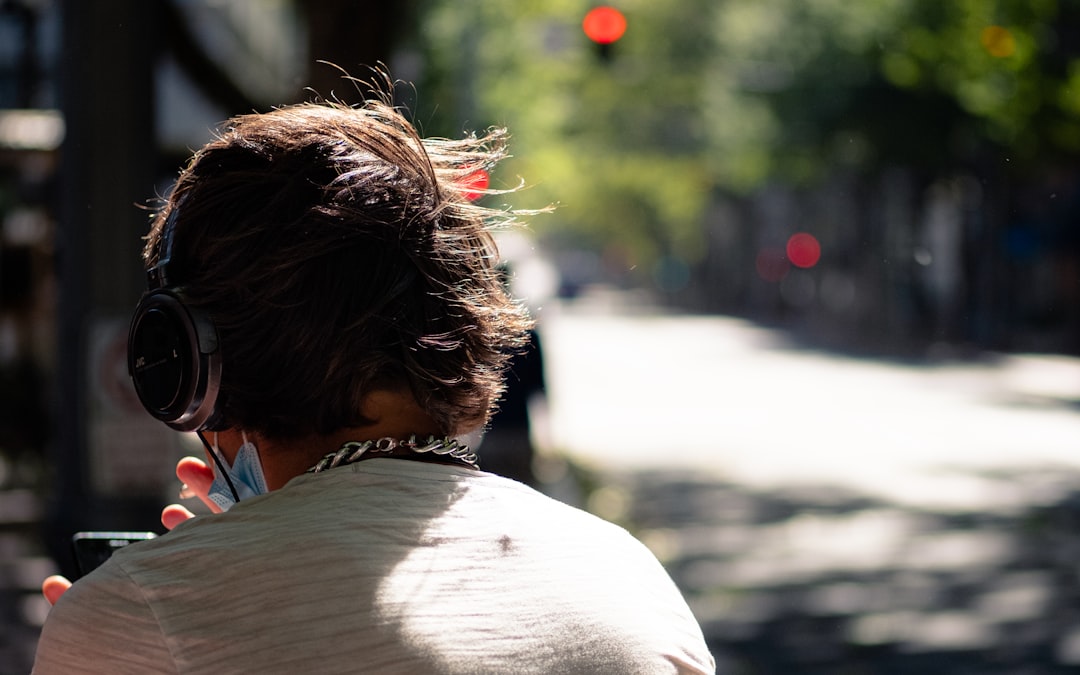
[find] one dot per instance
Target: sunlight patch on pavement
(725, 397)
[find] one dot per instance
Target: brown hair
(336, 253)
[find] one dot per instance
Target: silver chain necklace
(354, 451)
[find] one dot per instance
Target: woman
(325, 310)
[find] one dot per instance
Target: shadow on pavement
(816, 580)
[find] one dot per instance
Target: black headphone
(174, 357)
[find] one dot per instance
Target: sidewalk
(825, 514)
(722, 396)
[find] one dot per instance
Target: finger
(53, 587)
(174, 514)
(195, 472)
(197, 478)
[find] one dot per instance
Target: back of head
(336, 254)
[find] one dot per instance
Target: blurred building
(100, 104)
(32, 131)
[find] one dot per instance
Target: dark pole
(354, 35)
(107, 168)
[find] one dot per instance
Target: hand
(196, 477)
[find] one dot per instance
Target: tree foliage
(702, 97)
(615, 141)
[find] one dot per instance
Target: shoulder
(102, 619)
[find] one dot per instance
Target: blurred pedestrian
(507, 445)
(324, 311)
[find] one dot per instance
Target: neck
(394, 414)
(432, 449)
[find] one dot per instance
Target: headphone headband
(158, 275)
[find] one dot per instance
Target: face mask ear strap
(217, 460)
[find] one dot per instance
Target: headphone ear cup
(174, 360)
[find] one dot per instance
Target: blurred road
(824, 513)
(723, 396)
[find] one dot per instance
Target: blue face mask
(245, 476)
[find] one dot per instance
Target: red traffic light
(604, 25)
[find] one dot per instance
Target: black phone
(93, 548)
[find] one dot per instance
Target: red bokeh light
(803, 250)
(474, 184)
(604, 25)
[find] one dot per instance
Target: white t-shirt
(387, 566)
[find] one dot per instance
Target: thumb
(198, 477)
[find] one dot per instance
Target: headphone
(174, 357)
